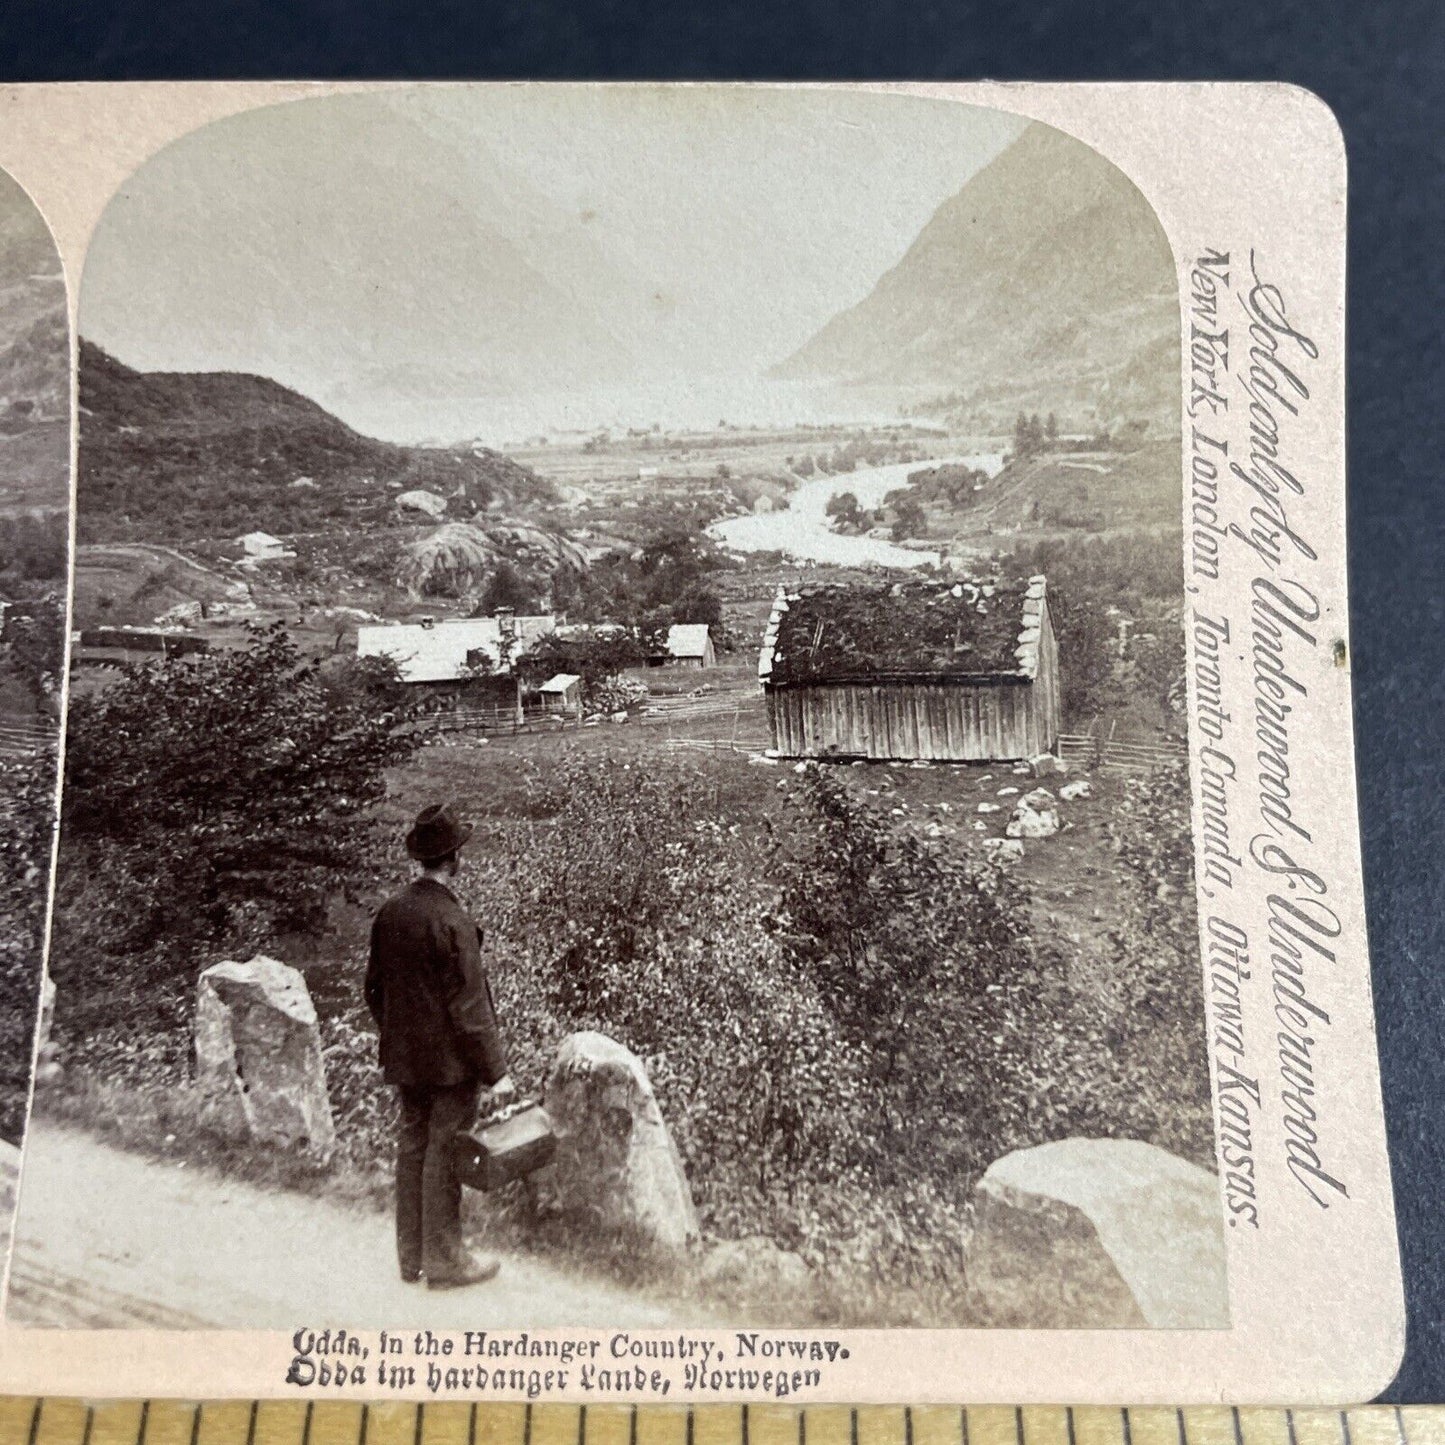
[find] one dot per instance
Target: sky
(383, 250)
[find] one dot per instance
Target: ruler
(53, 1421)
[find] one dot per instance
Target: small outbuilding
(688, 644)
(263, 547)
(943, 671)
(562, 693)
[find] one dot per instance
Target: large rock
(616, 1162)
(1098, 1234)
(258, 1054)
(1035, 815)
(427, 503)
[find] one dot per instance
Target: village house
(467, 661)
(263, 547)
(688, 644)
(943, 671)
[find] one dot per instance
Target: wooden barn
(945, 671)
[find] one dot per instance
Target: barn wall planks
(940, 722)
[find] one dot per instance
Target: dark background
(1380, 66)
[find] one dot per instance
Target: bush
(27, 827)
(211, 803)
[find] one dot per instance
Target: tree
(596, 655)
(909, 519)
(1051, 428)
(230, 796)
(846, 514)
(506, 589)
(35, 648)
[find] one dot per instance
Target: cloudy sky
(511, 240)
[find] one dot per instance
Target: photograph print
(626, 754)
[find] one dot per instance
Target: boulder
(1080, 788)
(427, 503)
(1045, 765)
(258, 1054)
(1003, 850)
(47, 1062)
(1098, 1234)
(1035, 815)
(616, 1163)
(990, 807)
(754, 1261)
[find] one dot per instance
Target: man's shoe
(474, 1271)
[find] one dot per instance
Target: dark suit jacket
(428, 991)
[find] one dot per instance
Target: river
(804, 531)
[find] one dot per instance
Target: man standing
(428, 991)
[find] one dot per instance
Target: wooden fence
(26, 739)
(1105, 750)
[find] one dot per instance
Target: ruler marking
(472, 1424)
(1345, 1429)
(35, 1410)
(1018, 1426)
(251, 1424)
(416, 1428)
(802, 1428)
(142, 1428)
(1183, 1433)
(1068, 1420)
(1234, 1419)
(745, 1425)
(963, 1426)
(907, 1425)
(196, 1422)
(89, 1422)
(527, 1426)
(1400, 1427)
(1128, 1429)
(632, 1428)
(852, 1428)
(1289, 1427)
(306, 1423)
(581, 1426)
(366, 1423)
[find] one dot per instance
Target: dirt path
(110, 1239)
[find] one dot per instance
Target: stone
(428, 503)
(1003, 850)
(47, 1060)
(1035, 815)
(1080, 788)
(1045, 765)
(1098, 1234)
(754, 1261)
(990, 807)
(616, 1163)
(258, 1055)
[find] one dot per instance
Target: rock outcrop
(1098, 1234)
(615, 1161)
(753, 1263)
(258, 1054)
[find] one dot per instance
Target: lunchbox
(512, 1144)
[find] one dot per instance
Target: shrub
(213, 802)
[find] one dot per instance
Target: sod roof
(923, 630)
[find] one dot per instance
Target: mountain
(1045, 284)
(168, 455)
(34, 359)
(355, 251)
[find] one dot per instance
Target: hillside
(167, 456)
(1045, 284)
(34, 359)
(423, 265)
(1132, 486)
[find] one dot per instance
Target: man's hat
(436, 832)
